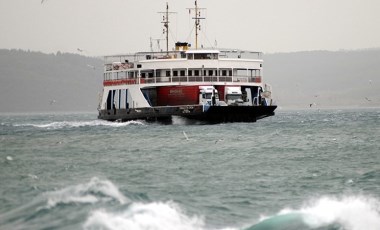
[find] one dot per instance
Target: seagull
(52, 102)
(91, 66)
(312, 104)
(80, 50)
(368, 99)
(218, 141)
(42, 1)
(187, 138)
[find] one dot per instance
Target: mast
(165, 21)
(197, 19)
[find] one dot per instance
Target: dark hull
(210, 114)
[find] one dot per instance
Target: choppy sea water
(307, 169)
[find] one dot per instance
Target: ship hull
(208, 114)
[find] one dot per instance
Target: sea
(298, 170)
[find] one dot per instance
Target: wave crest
(153, 216)
(79, 124)
(348, 213)
(94, 191)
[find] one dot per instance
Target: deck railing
(142, 56)
(183, 79)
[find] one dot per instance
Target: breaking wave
(92, 192)
(153, 216)
(78, 124)
(351, 213)
(71, 202)
(327, 213)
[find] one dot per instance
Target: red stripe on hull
(120, 82)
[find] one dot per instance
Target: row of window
(197, 73)
(178, 73)
(198, 56)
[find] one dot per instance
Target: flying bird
(368, 99)
(91, 66)
(218, 141)
(80, 50)
(187, 138)
(42, 1)
(310, 105)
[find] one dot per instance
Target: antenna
(197, 19)
(165, 21)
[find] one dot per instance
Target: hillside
(343, 78)
(38, 82)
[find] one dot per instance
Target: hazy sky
(105, 27)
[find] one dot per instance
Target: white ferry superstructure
(212, 85)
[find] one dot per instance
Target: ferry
(204, 84)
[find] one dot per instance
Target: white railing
(182, 79)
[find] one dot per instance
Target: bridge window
(199, 56)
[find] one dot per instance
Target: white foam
(152, 216)
(350, 212)
(33, 176)
(77, 124)
(353, 213)
(94, 191)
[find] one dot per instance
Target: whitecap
(78, 124)
(152, 216)
(352, 212)
(33, 176)
(95, 191)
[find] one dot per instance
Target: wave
(78, 124)
(330, 213)
(95, 191)
(52, 209)
(326, 213)
(139, 216)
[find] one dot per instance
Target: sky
(107, 27)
